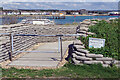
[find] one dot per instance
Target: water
(71, 19)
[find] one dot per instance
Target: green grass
(68, 70)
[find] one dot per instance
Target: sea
(70, 19)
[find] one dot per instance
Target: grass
(68, 70)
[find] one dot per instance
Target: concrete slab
(42, 59)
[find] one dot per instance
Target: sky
(59, 0)
(60, 4)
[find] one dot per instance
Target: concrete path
(42, 59)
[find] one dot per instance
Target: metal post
(11, 46)
(86, 40)
(58, 44)
(61, 48)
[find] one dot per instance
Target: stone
(93, 62)
(77, 42)
(104, 59)
(79, 46)
(83, 51)
(87, 22)
(90, 33)
(83, 58)
(94, 55)
(117, 65)
(83, 25)
(105, 65)
(75, 61)
(116, 62)
(82, 32)
(74, 55)
(83, 29)
(84, 35)
(94, 22)
(107, 62)
(79, 53)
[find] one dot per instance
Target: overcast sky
(59, 0)
(60, 4)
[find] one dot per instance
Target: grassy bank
(68, 70)
(109, 32)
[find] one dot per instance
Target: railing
(60, 50)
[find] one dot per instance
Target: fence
(59, 42)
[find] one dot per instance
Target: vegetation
(94, 20)
(68, 70)
(109, 32)
(74, 23)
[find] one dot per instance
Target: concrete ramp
(42, 59)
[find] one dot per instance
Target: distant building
(83, 11)
(113, 13)
(75, 13)
(45, 12)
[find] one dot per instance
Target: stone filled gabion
(24, 42)
(82, 56)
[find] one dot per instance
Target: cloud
(101, 0)
(42, 0)
(59, 0)
(61, 5)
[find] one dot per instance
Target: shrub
(109, 32)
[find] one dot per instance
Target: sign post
(96, 43)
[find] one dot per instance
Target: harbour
(55, 40)
(66, 20)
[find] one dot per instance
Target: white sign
(96, 43)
